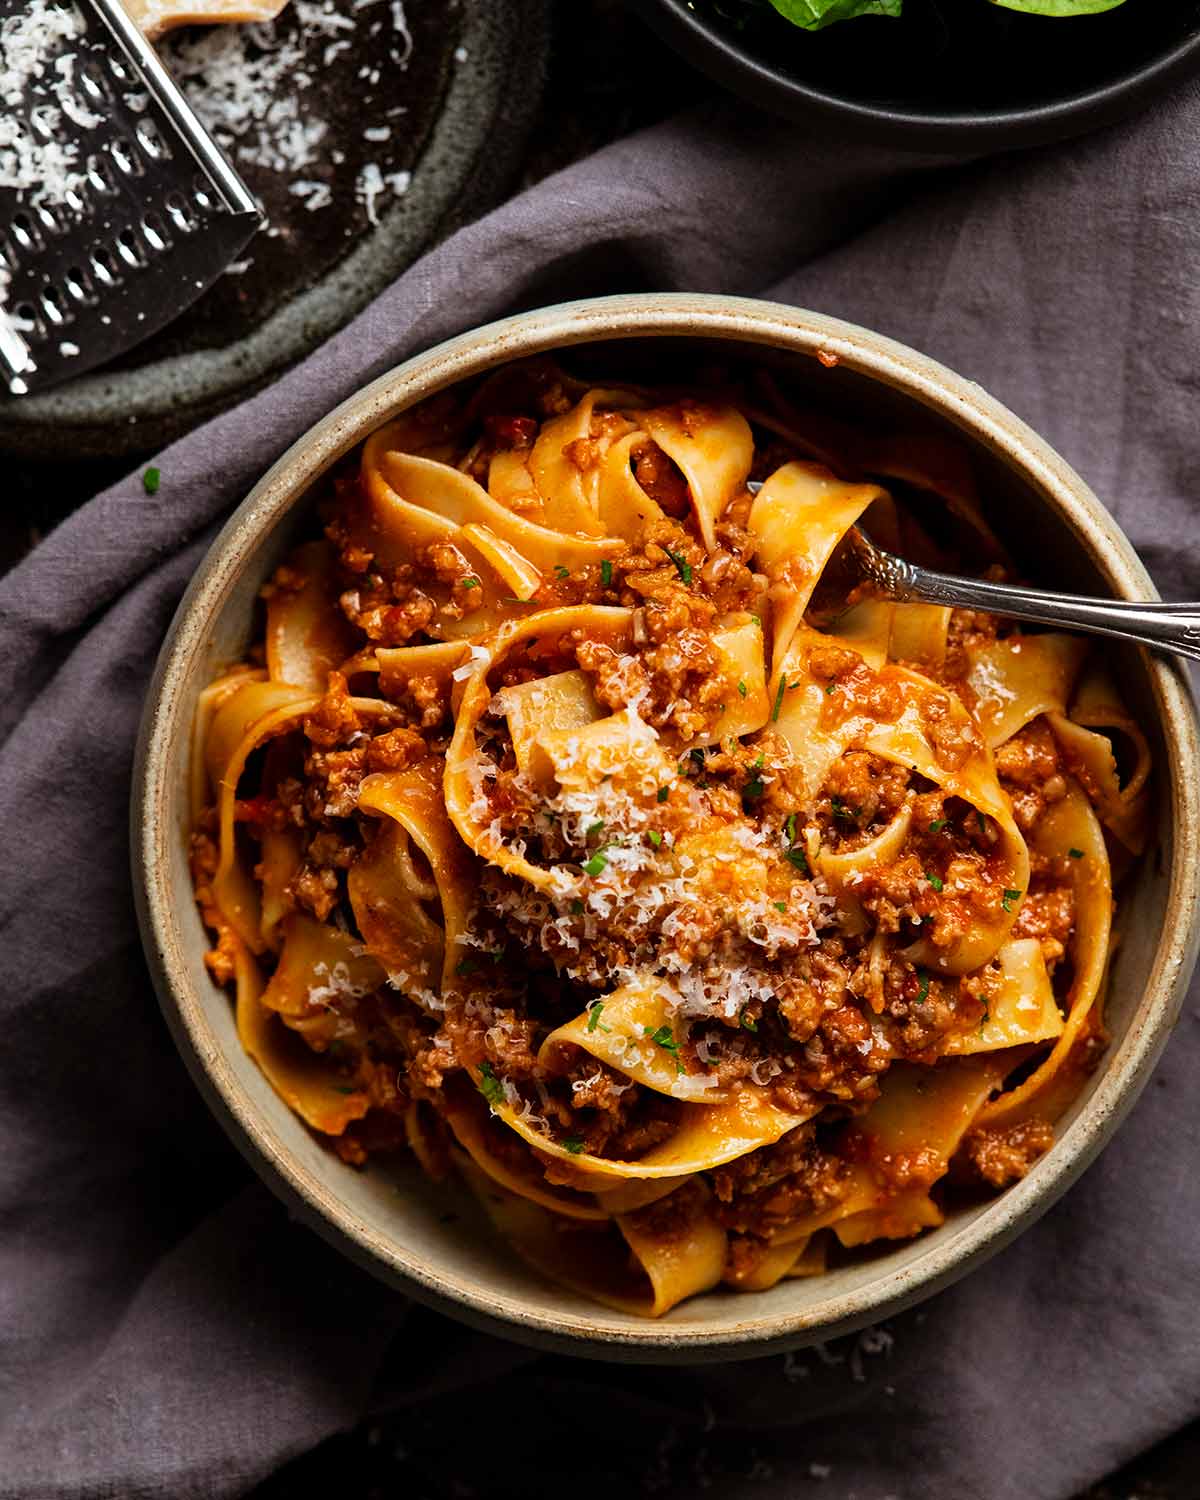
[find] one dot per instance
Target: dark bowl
(949, 74)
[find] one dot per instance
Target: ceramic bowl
(429, 1240)
(957, 75)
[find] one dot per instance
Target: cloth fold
(164, 1331)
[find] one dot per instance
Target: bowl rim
(166, 721)
(720, 55)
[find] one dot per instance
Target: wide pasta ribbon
(307, 634)
(1070, 831)
(643, 1263)
(635, 1030)
(306, 1081)
(798, 518)
(255, 712)
(707, 1135)
(820, 728)
(390, 901)
(920, 1110)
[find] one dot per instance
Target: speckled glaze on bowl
(461, 1267)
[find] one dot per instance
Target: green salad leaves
(814, 15)
(1060, 7)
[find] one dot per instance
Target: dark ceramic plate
(949, 74)
(433, 100)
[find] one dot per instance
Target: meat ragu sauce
(573, 824)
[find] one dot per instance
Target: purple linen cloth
(164, 1331)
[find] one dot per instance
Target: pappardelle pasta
(574, 825)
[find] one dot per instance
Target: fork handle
(1169, 627)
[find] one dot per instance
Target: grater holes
(48, 220)
(104, 266)
(92, 82)
(129, 250)
(78, 287)
(100, 175)
(25, 233)
(27, 320)
(201, 193)
(155, 233)
(180, 211)
(117, 68)
(42, 119)
(55, 308)
(151, 140)
(129, 163)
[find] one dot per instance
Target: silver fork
(1168, 627)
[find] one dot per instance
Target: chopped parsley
(743, 689)
(664, 1037)
(840, 810)
(789, 828)
(938, 824)
(756, 786)
(561, 572)
(595, 1011)
(1009, 898)
(489, 1085)
(606, 573)
(573, 1144)
(797, 857)
(595, 827)
(597, 863)
(983, 820)
(467, 966)
(829, 689)
(682, 566)
(577, 907)
(780, 905)
(934, 880)
(923, 992)
(341, 1088)
(747, 1023)
(987, 1015)
(778, 700)
(1075, 853)
(469, 583)
(655, 837)
(151, 480)
(663, 793)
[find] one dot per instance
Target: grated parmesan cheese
(252, 87)
(38, 157)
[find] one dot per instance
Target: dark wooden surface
(607, 76)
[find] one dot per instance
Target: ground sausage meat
(1004, 1154)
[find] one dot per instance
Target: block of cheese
(155, 17)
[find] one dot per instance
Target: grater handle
(238, 198)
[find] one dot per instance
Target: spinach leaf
(1060, 7)
(812, 15)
